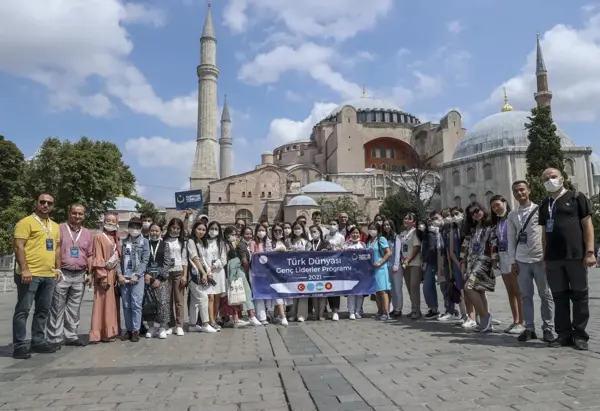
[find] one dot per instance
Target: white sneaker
(469, 324)
(265, 322)
(169, 331)
(335, 317)
(162, 334)
(194, 328)
(254, 321)
(445, 317)
(300, 319)
(292, 318)
(353, 316)
(151, 332)
(358, 316)
(179, 331)
(208, 329)
(284, 322)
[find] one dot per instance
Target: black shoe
(580, 345)
(548, 336)
(21, 354)
(135, 336)
(126, 336)
(527, 335)
(432, 314)
(75, 343)
(561, 342)
(143, 329)
(44, 348)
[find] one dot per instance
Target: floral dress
(479, 253)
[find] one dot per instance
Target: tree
(396, 205)
(145, 207)
(89, 172)
(12, 163)
(544, 150)
(344, 204)
(18, 208)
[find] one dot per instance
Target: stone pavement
(325, 366)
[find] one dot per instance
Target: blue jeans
(132, 296)
(40, 291)
(429, 287)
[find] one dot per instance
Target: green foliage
(544, 150)
(145, 207)
(595, 200)
(343, 204)
(12, 164)
(85, 171)
(395, 206)
(17, 208)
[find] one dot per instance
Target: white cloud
(427, 85)
(572, 59)
(162, 152)
(454, 27)
(283, 130)
(293, 96)
(62, 44)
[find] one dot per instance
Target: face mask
(261, 234)
(315, 236)
(298, 232)
(155, 237)
(287, 231)
(333, 228)
(553, 185)
(502, 214)
(146, 225)
(373, 233)
(436, 223)
(231, 239)
(110, 227)
(378, 222)
(134, 232)
(213, 233)
(278, 236)
(457, 218)
(355, 239)
(434, 229)
(421, 227)
(174, 235)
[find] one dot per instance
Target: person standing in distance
(76, 262)
(37, 249)
(568, 239)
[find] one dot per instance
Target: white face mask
(457, 218)
(434, 229)
(213, 233)
(333, 228)
(421, 227)
(110, 227)
(231, 238)
(287, 231)
(373, 233)
(146, 225)
(502, 214)
(155, 237)
(315, 236)
(553, 185)
(134, 232)
(298, 232)
(355, 239)
(436, 222)
(261, 234)
(278, 236)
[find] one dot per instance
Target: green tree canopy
(12, 163)
(595, 200)
(145, 207)
(344, 204)
(396, 205)
(544, 150)
(18, 208)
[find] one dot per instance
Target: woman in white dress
(299, 242)
(335, 242)
(199, 281)
(355, 302)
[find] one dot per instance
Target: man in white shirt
(526, 254)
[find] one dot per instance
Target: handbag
(113, 260)
(236, 293)
(150, 301)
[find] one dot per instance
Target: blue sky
(125, 72)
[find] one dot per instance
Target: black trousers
(334, 302)
(568, 280)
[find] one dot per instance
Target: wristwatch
(590, 252)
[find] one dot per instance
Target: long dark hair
(261, 240)
(181, 237)
(392, 234)
(319, 230)
(219, 237)
(374, 226)
(197, 240)
(494, 216)
(469, 223)
(415, 218)
(279, 226)
(293, 235)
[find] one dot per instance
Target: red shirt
(74, 251)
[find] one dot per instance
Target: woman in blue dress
(381, 254)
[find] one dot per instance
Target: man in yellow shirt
(37, 248)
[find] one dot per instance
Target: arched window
(472, 198)
(487, 171)
(570, 167)
(456, 178)
(470, 175)
(488, 196)
(384, 166)
(373, 165)
(244, 214)
(457, 202)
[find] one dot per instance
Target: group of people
(145, 273)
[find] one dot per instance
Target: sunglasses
(44, 202)
(475, 211)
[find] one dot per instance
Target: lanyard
(502, 229)
(47, 227)
(478, 236)
(76, 239)
(154, 250)
(552, 207)
(315, 248)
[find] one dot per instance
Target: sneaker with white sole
(284, 322)
(335, 317)
(208, 329)
(468, 324)
(179, 331)
(169, 331)
(292, 318)
(194, 328)
(445, 317)
(358, 316)
(162, 334)
(265, 322)
(254, 321)
(151, 332)
(300, 319)
(352, 316)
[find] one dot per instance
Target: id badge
(502, 246)
(49, 244)
(523, 238)
(153, 268)
(129, 265)
(405, 248)
(549, 225)
(74, 251)
(476, 248)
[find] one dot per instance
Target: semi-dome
(504, 129)
(323, 187)
(125, 204)
(595, 160)
(302, 200)
(366, 103)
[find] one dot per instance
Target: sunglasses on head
(44, 202)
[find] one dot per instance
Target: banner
(192, 200)
(312, 274)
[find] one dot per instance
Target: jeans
(429, 287)
(528, 274)
(63, 320)
(40, 291)
(447, 288)
(396, 279)
(132, 296)
(355, 303)
(568, 280)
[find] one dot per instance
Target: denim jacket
(139, 257)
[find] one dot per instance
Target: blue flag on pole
(312, 274)
(192, 199)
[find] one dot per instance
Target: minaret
(225, 142)
(205, 169)
(506, 107)
(543, 96)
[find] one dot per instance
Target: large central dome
(366, 103)
(504, 129)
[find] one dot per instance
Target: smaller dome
(267, 153)
(595, 164)
(366, 103)
(302, 200)
(125, 204)
(323, 187)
